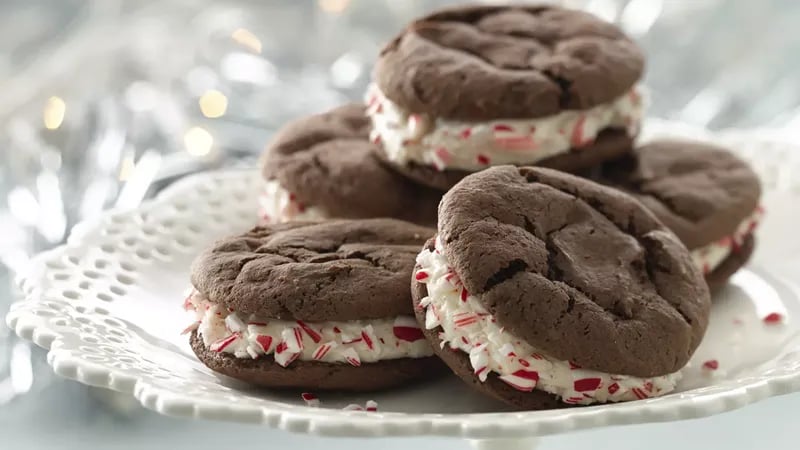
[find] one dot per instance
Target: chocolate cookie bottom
(265, 372)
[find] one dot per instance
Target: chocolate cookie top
(486, 62)
(580, 271)
(336, 270)
(327, 160)
(701, 192)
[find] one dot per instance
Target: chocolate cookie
(312, 305)
(559, 288)
(706, 195)
(324, 166)
(471, 87)
(480, 63)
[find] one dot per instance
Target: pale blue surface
(65, 416)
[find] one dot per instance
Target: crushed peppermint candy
(354, 343)
(371, 406)
(310, 399)
(406, 329)
(711, 364)
(449, 144)
(220, 345)
(773, 318)
(313, 401)
(709, 257)
(276, 205)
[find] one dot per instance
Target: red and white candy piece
(711, 365)
(351, 357)
(577, 139)
(453, 278)
(371, 406)
(464, 319)
(375, 137)
(508, 350)
(406, 329)
(310, 399)
(773, 318)
(586, 384)
(522, 380)
(251, 350)
(441, 158)
(479, 359)
(293, 337)
(348, 338)
(285, 358)
(507, 137)
(265, 342)
(221, 344)
(431, 318)
(234, 323)
(323, 350)
(517, 143)
(368, 336)
(640, 393)
(309, 331)
(502, 128)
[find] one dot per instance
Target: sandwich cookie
(706, 195)
(543, 290)
(324, 166)
(471, 87)
(312, 305)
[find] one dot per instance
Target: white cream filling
(709, 257)
(451, 144)
(468, 327)
(352, 342)
(277, 205)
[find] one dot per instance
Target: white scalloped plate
(107, 305)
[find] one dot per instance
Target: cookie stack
(469, 88)
(566, 264)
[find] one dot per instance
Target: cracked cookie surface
(580, 271)
(484, 62)
(700, 191)
(326, 271)
(327, 161)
